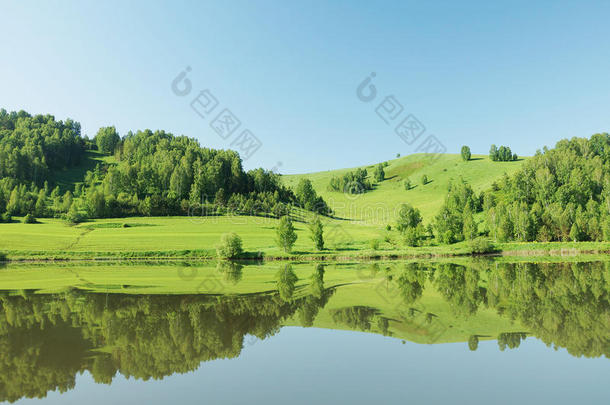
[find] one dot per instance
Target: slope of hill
(379, 206)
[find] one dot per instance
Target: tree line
(152, 173)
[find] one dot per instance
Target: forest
(153, 173)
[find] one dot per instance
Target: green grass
(358, 220)
(378, 207)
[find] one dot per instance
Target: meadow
(357, 229)
(379, 206)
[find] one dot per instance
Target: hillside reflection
(47, 339)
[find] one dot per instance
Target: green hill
(378, 206)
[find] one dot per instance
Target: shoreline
(510, 249)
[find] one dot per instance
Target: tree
(473, 343)
(466, 153)
(286, 235)
(221, 199)
(408, 217)
(41, 203)
(74, 216)
(286, 280)
(424, 180)
(469, 229)
(493, 153)
(317, 233)
(229, 247)
(106, 139)
(379, 173)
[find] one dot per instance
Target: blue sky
(524, 74)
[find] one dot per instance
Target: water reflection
(47, 339)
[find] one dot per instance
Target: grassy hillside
(378, 207)
(359, 219)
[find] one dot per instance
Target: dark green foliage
(424, 180)
(473, 343)
(408, 217)
(29, 219)
(455, 220)
(501, 154)
(47, 340)
(74, 216)
(465, 152)
(33, 147)
(6, 218)
(317, 233)
(156, 173)
(308, 198)
(229, 247)
(560, 194)
(407, 184)
(480, 246)
(357, 317)
(374, 244)
(379, 173)
(286, 280)
(355, 182)
(286, 235)
(107, 139)
(409, 223)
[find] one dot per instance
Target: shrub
(424, 180)
(29, 219)
(74, 216)
(374, 244)
(230, 246)
(480, 246)
(407, 184)
(6, 218)
(125, 225)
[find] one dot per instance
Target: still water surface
(473, 332)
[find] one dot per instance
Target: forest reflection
(47, 339)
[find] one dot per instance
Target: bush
(125, 225)
(230, 246)
(424, 180)
(374, 244)
(74, 216)
(407, 184)
(6, 218)
(414, 235)
(29, 219)
(480, 246)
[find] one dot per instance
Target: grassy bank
(196, 238)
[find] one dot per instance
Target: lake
(461, 331)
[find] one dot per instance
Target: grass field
(358, 220)
(379, 206)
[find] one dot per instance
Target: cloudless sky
(524, 74)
